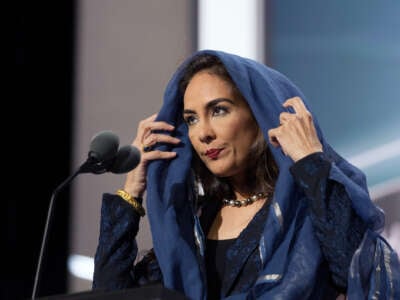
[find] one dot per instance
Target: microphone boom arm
(47, 225)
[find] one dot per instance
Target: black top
(219, 253)
(215, 255)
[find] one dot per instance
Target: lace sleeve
(338, 228)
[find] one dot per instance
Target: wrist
(134, 192)
(306, 153)
(135, 202)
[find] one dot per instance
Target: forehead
(205, 86)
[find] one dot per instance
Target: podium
(150, 292)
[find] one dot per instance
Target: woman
(246, 199)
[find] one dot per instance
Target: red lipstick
(213, 153)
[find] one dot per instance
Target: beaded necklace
(244, 202)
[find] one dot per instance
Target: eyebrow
(210, 104)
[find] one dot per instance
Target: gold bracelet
(132, 201)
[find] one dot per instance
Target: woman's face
(221, 126)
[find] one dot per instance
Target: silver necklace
(244, 202)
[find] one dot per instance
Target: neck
(243, 187)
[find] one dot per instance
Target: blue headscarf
(171, 210)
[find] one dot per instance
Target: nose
(206, 132)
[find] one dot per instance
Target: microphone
(127, 158)
(103, 156)
(102, 151)
(104, 145)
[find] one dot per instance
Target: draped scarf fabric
(289, 251)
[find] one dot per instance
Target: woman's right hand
(135, 183)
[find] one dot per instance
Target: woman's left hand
(296, 135)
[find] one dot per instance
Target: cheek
(192, 139)
(244, 138)
(241, 131)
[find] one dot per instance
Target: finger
(151, 118)
(285, 116)
(158, 154)
(272, 136)
(147, 128)
(297, 104)
(152, 139)
(143, 124)
(161, 125)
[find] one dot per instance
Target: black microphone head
(128, 157)
(104, 146)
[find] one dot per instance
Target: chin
(222, 172)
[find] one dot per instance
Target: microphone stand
(45, 235)
(92, 165)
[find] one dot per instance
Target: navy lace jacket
(338, 229)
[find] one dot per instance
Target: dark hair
(208, 62)
(262, 173)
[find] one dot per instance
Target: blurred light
(376, 155)
(386, 188)
(81, 266)
(235, 26)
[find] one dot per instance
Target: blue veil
(288, 270)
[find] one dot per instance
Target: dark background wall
(43, 35)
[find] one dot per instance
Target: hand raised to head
(296, 134)
(148, 135)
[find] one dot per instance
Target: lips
(213, 153)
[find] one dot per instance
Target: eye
(219, 110)
(190, 120)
